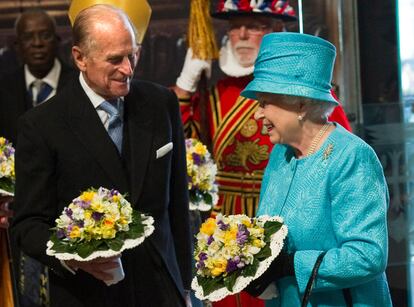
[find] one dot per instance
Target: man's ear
(79, 58)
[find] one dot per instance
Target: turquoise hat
(293, 64)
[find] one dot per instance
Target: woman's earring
(300, 118)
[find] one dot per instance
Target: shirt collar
(52, 78)
(93, 97)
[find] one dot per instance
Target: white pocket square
(162, 151)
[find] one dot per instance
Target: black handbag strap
(311, 282)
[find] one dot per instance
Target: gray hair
(81, 30)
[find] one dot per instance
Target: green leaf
(230, 280)
(264, 253)
(115, 244)
(84, 249)
(272, 227)
(208, 198)
(7, 184)
(251, 270)
(210, 285)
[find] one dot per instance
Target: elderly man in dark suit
(72, 142)
(41, 75)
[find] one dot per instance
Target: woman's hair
(315, 109)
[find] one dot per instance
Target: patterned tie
(115, 123)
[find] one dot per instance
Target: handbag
(311, 281)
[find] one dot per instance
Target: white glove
(191, 72)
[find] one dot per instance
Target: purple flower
(242, 234)
(202, 257)
(81, 203)
(97, 216)
(232, 264)
(222, 225)
(196, 158)
(68, 212)
(210, 240)
(60, 233)
(114, 192)
(81, 224)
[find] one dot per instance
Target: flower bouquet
(231, 251)
(7, 175)
(201, 172)
(98, 223)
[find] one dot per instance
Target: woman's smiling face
(279, 118)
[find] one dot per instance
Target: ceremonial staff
(202, 41)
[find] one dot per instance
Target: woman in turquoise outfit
(325, 182)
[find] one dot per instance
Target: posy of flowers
(231, 251)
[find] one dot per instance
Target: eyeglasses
(251, 29)
(30, 37)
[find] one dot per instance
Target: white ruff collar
(229, 64)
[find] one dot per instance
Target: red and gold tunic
(240, 145)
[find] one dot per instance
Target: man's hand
(191, 72)
(97, 268)
(5, 212)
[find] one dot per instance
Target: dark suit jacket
(14, 99)
(64, 149)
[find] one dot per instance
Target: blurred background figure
(40, 76)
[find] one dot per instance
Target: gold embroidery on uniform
(249, 128)
(328, 151)
(248, 152)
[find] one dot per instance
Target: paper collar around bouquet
(293, 64)
(279, 9)
(138, 11)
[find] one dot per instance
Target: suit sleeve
(179, 214)
(35, 198)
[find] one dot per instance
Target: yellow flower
(87, 196)
(258, 243)
(116, 197)
(75, 233)
(208, 227)
(2, 141)
(230, 236)
(219, 266)
(200, 149)
(108, 233)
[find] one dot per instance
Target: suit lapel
(87, 126)
(140, 129)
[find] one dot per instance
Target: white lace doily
(5, 193)
(276, 245)
(128, 244)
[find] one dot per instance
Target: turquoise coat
(335, 200)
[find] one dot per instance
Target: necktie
(114, 122)
(43, 90)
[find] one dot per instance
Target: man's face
(246, 33)
(109, 65)
(37, 42)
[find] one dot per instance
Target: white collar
(229, 64)
(93, 96)
(52, 78)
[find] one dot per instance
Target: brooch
(328, 151)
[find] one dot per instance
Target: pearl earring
(300, 118)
